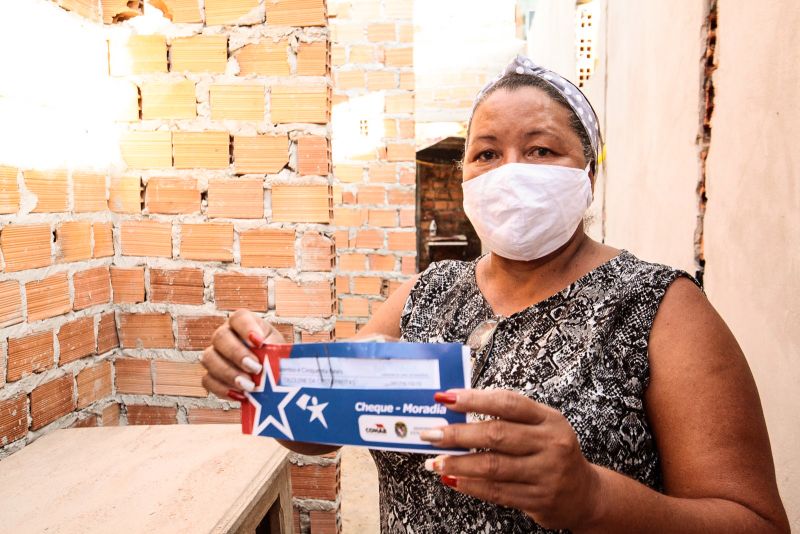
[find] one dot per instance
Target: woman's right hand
(229, 361)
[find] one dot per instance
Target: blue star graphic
(271, 405)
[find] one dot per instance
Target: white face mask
(523, 211)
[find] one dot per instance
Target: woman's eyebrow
(486, 138)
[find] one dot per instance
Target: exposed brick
(13, 419)
(350, 79)
(408, 217)
(146, 150)
(239, 199)
(367, 285)
(180, 286)
(342, 285)
(85, 420)
(234, 290)
(355, 307)
(139, 414)
(207, 241)
(316, 337)
(342, 238)
(89, 192)
(324, 522)
(349, 216)
(352, 262)
(244, 102)
(384, 218)
(313, 155)
(74, 241)
(401, 196)
(407, 81)
(310, 299)
(381, 262)
(406, 128)
(198, 416)
(318, 253)
(405, 33)
(94, 383)
(103, 240)
(48, 297)
(183, 10)
(194, 333)
(125, 195)
(172, 195)
(76, 340)
(10, 303)
(209, 149)
(403, 241)
(228, 11)
(265, 58)
(30, 354)
(378, 80)
(296, 13)
(125, 95)
(128, 284)
(267, 247)
(408, 175)
(199, 53)
(301, 203)
(289, 104)
(146, 331)
(9, 190)
(51, 401)
(345, 329)
(260, 154)
(312, 59)
(110, 415)
(133, 376)
(364, 54)
(179, 378)
(348, 173)
(401, 152)
(50, 188)
(285, 330)
(399, 103)
(146, 238)
(400, 57)
(384, 31)
(380, 172)
(169, 100)
(338, 55)
(107, 338)
(313, 481)
(408, 265)
(370, 238)
(138, 54)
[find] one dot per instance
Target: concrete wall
(752, 223)
(652, 122)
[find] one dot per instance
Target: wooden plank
(167, 477)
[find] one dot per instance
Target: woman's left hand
(533, 463)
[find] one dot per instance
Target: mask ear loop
(330, 367)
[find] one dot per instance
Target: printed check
(376, 395)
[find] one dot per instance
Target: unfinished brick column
(374, 191)
(113, 281)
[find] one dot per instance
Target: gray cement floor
(359, 492)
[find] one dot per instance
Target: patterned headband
(574, 97)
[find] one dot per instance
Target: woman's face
(523, 125)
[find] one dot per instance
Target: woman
(609, 394)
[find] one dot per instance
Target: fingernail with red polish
(447, 480)
(235, 395)
(255, 339)
(445, 397)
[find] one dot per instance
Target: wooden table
(176, 478)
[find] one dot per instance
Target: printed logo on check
(376, 395)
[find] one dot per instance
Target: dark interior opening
(440, 199)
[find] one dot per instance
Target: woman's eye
(486, 155)
(541, 152)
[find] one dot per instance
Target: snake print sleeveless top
(582, 351)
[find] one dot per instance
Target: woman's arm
(705, 413)
(706, 416)
(228, 358)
